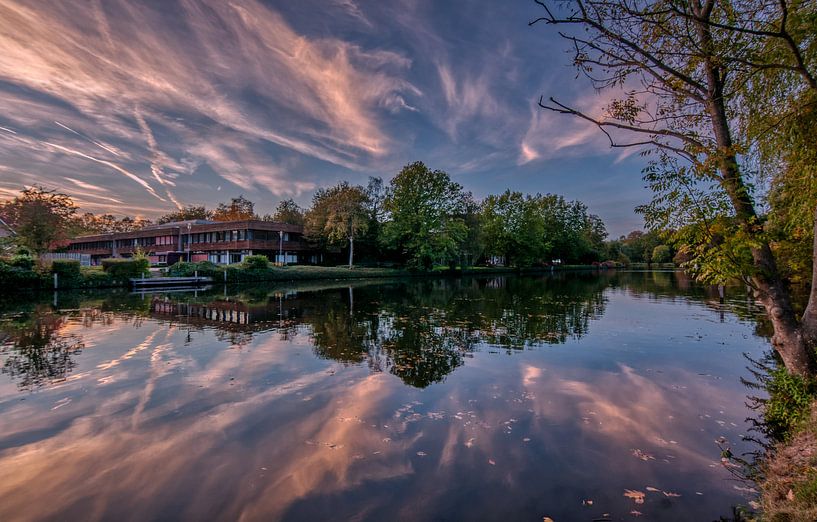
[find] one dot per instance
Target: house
(220, 242)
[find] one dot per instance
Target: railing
(84, 259)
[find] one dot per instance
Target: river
(574, 396)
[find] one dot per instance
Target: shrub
(15, 278)
(256, 262)
(185, 269)
(66, 269)
(125, 268)
(24, 261)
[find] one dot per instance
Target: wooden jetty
(164, 282)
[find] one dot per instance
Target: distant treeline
(421, 218)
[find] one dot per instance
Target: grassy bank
(117, 273)
(786, 471)
(789, 484)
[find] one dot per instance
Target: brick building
(220, 242)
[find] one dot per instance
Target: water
(475, 399)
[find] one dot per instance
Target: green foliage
(203, 268)
(255, 262)
(39, 217)
(66, 269)
(338, 215)
(661, 254)
(16, 278)
(426, 216)
(530, 230)
(287, 212)
(23, 261)
(121, 268)
(789, 403)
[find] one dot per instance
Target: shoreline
(93, 278)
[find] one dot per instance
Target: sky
(138, 107)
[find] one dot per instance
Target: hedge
(204, 269)
(255, 262)
(66, 269)
(119, 268)
(19, 278)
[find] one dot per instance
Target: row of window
(234, 235)
(199, 237)
(91, 245)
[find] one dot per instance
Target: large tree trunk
(351, 249)
(788, 340)
(810, 315)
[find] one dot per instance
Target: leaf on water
(671, 494)
(744, 489)
(643, 455)
(653, 490)
(587, 502)
(491, 462)
(421, 453)
(547, 519)
(470, 442)
(636, 513)
(526, 439)
(637, 496)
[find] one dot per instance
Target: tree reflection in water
(34, 351)
(422, 331)
(419, 330)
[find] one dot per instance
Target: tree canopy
(691, 81)
(425, 215)
(338, 214)
(40, 218)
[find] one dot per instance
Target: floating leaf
(637, 496)
(639, 454)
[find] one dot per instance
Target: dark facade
(220, 242)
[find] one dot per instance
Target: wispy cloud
(238, 66)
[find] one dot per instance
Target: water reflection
(428, 399)
(40, 354)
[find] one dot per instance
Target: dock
(164, 282)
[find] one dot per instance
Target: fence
(84, 259)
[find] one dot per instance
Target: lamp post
(189, 238)
(281, 247)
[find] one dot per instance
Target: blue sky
(137, 107)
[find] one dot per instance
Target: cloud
(353, 10)
(196, 68)
(550, 134)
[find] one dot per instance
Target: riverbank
(789, 484)
(19, 279)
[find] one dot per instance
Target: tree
(338, 214)
(239, 209)
(287, 212)
(684, 67)
(529, 230)
(90, 223)
(513, 228)
(661, 254)
(40, 218)
(425, 210)
(184, 214)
